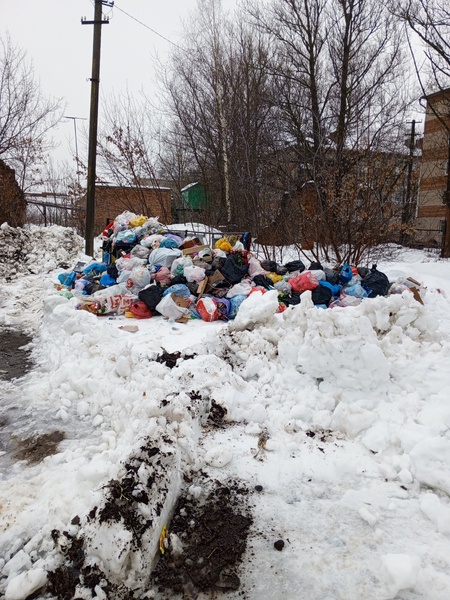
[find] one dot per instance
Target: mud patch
(168, 359)
(213, 536)
(216, 416)
(15, 357)
(36, 448)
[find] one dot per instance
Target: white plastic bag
(194, 274)
(167, 308)
(138, 279)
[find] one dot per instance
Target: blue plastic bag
(346, 274)
(67, 279)
(179, 289)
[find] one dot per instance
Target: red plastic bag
(306, 281)
(140, 310)
(207, 309)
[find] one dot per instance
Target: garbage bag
(235, 303)
(67, 279)
(345, 274)
(194, 274)
(234, 271)
(112, 270)
(162, 276)
(315, 266)
(168, 243)
(321, 295)
(263, 281)
(151, 296)
(95, 269)
(138, 279)
(114, 299)
(207, 309)
(356, 290)
(269, 265)
(140, 310)
(376, 283)
(303, 282)
(163, 257)
(295, 265)
(140, 252)
(335, 289)
(255, 267)
(107, 280)
(169, 308)
(223, 308)
(179, 289)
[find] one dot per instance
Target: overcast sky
(61, 48)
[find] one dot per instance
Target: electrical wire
(141, 23)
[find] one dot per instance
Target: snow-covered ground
(339, 418)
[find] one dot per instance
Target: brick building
(12, 200)
(434, 171)
(111, 200)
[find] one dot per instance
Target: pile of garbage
(148, 270)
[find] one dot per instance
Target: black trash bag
(233, 271)
(321, 295)
(269, 265)
(178, 279)
(376, 283)
(315, 266)
(291, 300)
(112, 270)
(281, 270)
(295, 265)
(151, 296)
(363, 272)
(92, 287)
(263, 281)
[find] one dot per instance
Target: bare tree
(128, 155)
(339, 67)
(26, 115)
(219, 94)
(428, 21)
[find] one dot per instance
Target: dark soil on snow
(211, 529)
(213, 534)
(14, 356)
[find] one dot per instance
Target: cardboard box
(213, 280)
(194, 250)
(415, 289)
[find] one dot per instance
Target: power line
(141, 23)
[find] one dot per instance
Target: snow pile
(37, 250)
(340, 416)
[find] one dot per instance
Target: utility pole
(406, 215)
(93, 121)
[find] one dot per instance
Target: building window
(442, 225)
